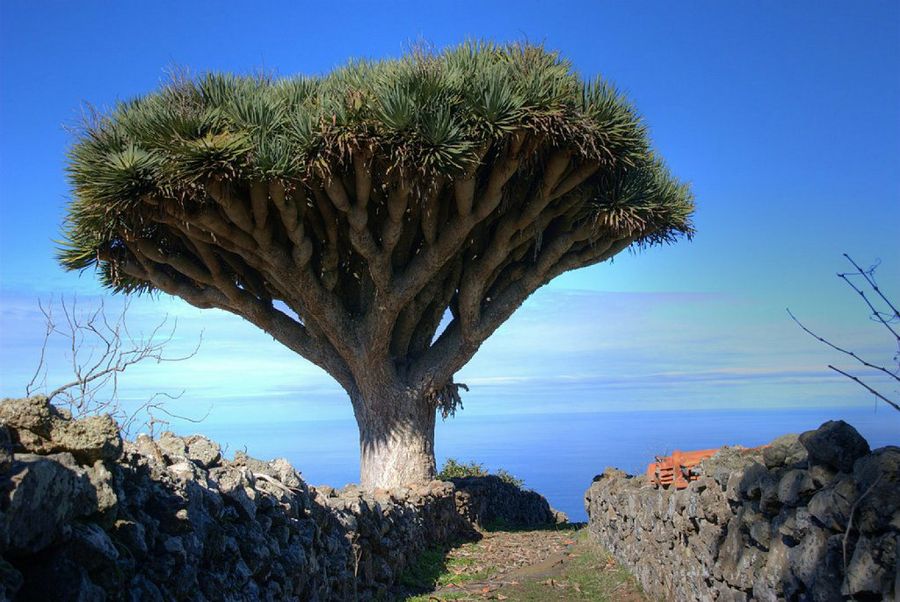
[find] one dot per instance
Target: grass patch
(587, 573)
(591, 575)
(435, 568)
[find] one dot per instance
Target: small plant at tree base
(459, 470)
(381, 221)
(882, 311)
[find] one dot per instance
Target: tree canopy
(348, 214)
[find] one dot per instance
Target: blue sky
(784, 116)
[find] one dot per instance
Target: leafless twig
(892, 316)
(850, 521)
(99, 350)
(886, 318)
(870, 389)
(844, 351)
(41, 371)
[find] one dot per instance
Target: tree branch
(877, 314)
(455, 346)
(867, 387)
(842, 350)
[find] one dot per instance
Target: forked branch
(99, 350)
(887, 318)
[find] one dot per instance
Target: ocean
(556, 454)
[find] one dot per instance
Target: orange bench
(676, 469)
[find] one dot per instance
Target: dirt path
(525, 565)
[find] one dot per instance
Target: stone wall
(810, 517)
(492, 502)
(86, 516)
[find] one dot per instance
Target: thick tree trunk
(396, 439)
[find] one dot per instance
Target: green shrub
(453, 469)
(457, 470)
(509, 478)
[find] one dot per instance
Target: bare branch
(49, 329)
(875, 313)
(842, 350)
(100, 350)
(869, 276)
(867, 387)
(850, 518)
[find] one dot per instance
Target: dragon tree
(381, 220)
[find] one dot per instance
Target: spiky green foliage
(348, 214)
(424, 114)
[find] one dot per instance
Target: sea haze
(556, 454)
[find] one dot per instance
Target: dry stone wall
(490, 501)
(810, 517)
(87, 516)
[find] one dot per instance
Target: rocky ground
(534, 565)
